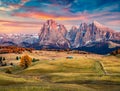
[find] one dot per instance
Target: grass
(111, 64)
(82, 73)
(50, 87)
(7, 79)
(61, 65)
(98, 66)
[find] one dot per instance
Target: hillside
(62, 71)
(116, 52)
(13, 49)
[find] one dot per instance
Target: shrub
(17, 58)
(3, 58)
(0, 58)
(4, 64)
(25, 61)
(35, 60)
(115, 52)
(8, 71)
(11, 63)
(1, 63)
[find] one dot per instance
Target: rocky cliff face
(89, 37)
(94, 32)
(71, 35)
(53, 36)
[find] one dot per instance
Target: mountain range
(93, 37)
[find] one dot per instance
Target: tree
(8, 71)
(17, 58)
(4, 64)
(11, 64)
(3, 58)
(1, 61)
(0, 58)
(25, 61)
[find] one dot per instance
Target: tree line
(14, 49)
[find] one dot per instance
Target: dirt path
(101, 67)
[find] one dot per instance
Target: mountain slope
(94, 32)
(53, 36)
(72, 34)
(101, 47)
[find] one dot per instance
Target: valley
(61, 71)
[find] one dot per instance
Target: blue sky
(18, 16)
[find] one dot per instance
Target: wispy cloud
(45, 16)
(19, 23)
(11, 5)
(114, 23)
(19, 27)
(68, 12)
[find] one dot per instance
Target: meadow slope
(55, 71)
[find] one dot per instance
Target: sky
(27, 16)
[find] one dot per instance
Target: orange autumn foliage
(25, 61)
(115, 52)
(14, 49)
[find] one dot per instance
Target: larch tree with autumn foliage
(25, 61)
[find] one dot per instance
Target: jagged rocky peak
(83, 26)
(93, 32)
(72, 34)
(53, 35)
(62, 29)
(53, 26)
(101, 26)
(97, 24)
(51, 22)
(74, 28)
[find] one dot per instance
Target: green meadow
(55, 72)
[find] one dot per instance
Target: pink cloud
(45, 16)
(19, 27)
(18, 23)
(114, 22)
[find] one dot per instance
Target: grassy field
(55, 72)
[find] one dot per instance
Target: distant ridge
(55, 36)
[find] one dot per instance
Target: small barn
(69, 57)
